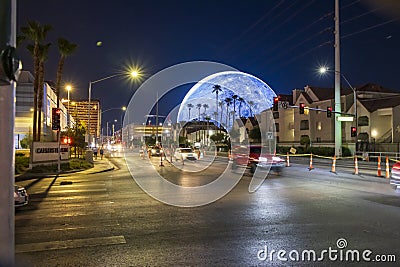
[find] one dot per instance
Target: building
(79, 110)
(24, 110)
(377, 124)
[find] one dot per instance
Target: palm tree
(235, 98)
(221, 104)
(43, 55)
(251, 104)
(205, 106)
(241, 101)
(36, 33)
(228, 102)
(65, 48)
(190, 106)
(216, 89)
(198, 106)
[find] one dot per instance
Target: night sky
(281, 42)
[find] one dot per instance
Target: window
(277, 127)
(363, 121)
(318, 139)
(319, 126)
(276, 115)
(304, 125)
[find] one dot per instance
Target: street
(105, 219)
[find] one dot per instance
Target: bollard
(355, 165)
(287, 160)
(311, 165)
(387, 168)
(379, 173)
(334, 164)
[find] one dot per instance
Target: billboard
(48, 151)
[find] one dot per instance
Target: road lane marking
(72, 243)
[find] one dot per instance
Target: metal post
(89, 109)
(338, 124)
(7, 111)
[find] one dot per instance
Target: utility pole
(338, 124)
(7, 117)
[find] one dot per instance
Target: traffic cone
(387, 168)
(334, 164)
(287, 160)
(311, 165)
(379, 174)
(355, 165)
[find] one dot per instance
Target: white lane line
(73, 243)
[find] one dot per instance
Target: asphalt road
(105, 219)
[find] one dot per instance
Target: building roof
(25, 77)
(380, 103)
(371, 87)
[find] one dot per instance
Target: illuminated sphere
(257, 96)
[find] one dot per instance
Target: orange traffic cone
(287, 160)
(334, 164)
(379, 174)
(387, 168)
(311, 165)
(355, 165)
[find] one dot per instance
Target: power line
(369, 28)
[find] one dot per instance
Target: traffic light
(329, 112)
(55, 119)
(353, 131)
(67, 140)
(276, 101)
(301, 108)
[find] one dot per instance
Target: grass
(22, 165)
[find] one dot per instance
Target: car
(185, 154)
(251, 157)
(21, 197)
(155, 151)
(395, 175)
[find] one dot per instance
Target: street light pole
(338, 124)
(133, 73)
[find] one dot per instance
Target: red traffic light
(353, 131)
(67, 140)
(301, 108)
(58, 111)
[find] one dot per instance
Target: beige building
(378, 118)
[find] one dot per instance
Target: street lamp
(324, 70)
(69, 88)
(134, 74)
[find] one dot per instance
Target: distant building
(79, 110)
(24, 110)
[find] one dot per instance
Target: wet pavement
(104, 219)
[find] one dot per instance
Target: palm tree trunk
(35, 89)
(40, 99)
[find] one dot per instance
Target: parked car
(395, 175)
(185, 154)
(252, 158)
(20, 196)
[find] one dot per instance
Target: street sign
(270, 135)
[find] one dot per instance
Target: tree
(198, 106)
(190, 106)
(65, 49)
(235, 98)
(241, 101)
(216, 89)
(205, 106)
(228, 102)
(43, 55)
(36, 33)
(251, 104)
(255, 134)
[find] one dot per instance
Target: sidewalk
(99, 165)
